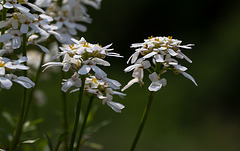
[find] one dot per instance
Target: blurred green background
(183, 117)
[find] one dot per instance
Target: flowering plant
(158, 55)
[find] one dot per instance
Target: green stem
(30, 98)
(64, 115)
(18, 131)
(84, 122)
(143, 121)
(79, 104)
(64, 105)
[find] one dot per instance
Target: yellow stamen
(170, 37)
(150, 37)
(71, 46)
(94, 80)
(2, 63)
(99, 45)
(85, 44)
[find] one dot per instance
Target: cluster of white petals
(21, 21)
(157, 56)
(103, 89)
(69, 16)
(7, 66)
(83, 58)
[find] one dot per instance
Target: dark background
(183, 117)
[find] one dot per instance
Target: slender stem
(64, 102)
(84, 122)
(143, 121)
(64, 115)
(79, 104)
(30, 96)
(18, 131)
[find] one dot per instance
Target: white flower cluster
(163, 52)
(7, 65)
(68, 15)
(20, 21)
(83, 57)
(20, 28)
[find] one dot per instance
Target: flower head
(84, 57)
(7, 66)
(163, 52)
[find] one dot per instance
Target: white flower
(84, 57)
(163, 51)
(156, 83)
(33, 39)
(6, 49)
(6, 63)
(137, 72)
(24, 81)
(73, 81)
(15, 35)
(103, 91)
(88, 65)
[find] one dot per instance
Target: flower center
(170, 37)
(150, 37)
(85, 44)
(94, 80)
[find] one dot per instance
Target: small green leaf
(50, 144)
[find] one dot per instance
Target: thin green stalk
(143, 121)
(64, 115)
(64, 104)
(18, 131)
(79, 104)
(84, 122)
(30, 96)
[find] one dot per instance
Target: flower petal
(43, 48)
(172, 52)
(117, 107)
(189, 77)
(5, 37)
(84, 70)
(153, 77)
(16, 42)
(159, 58)
(155, 87)
(150, 54)
(2, 71)
(130, 83)
(5, 83)
(99, 73)
(24, 28)
(67, 85)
